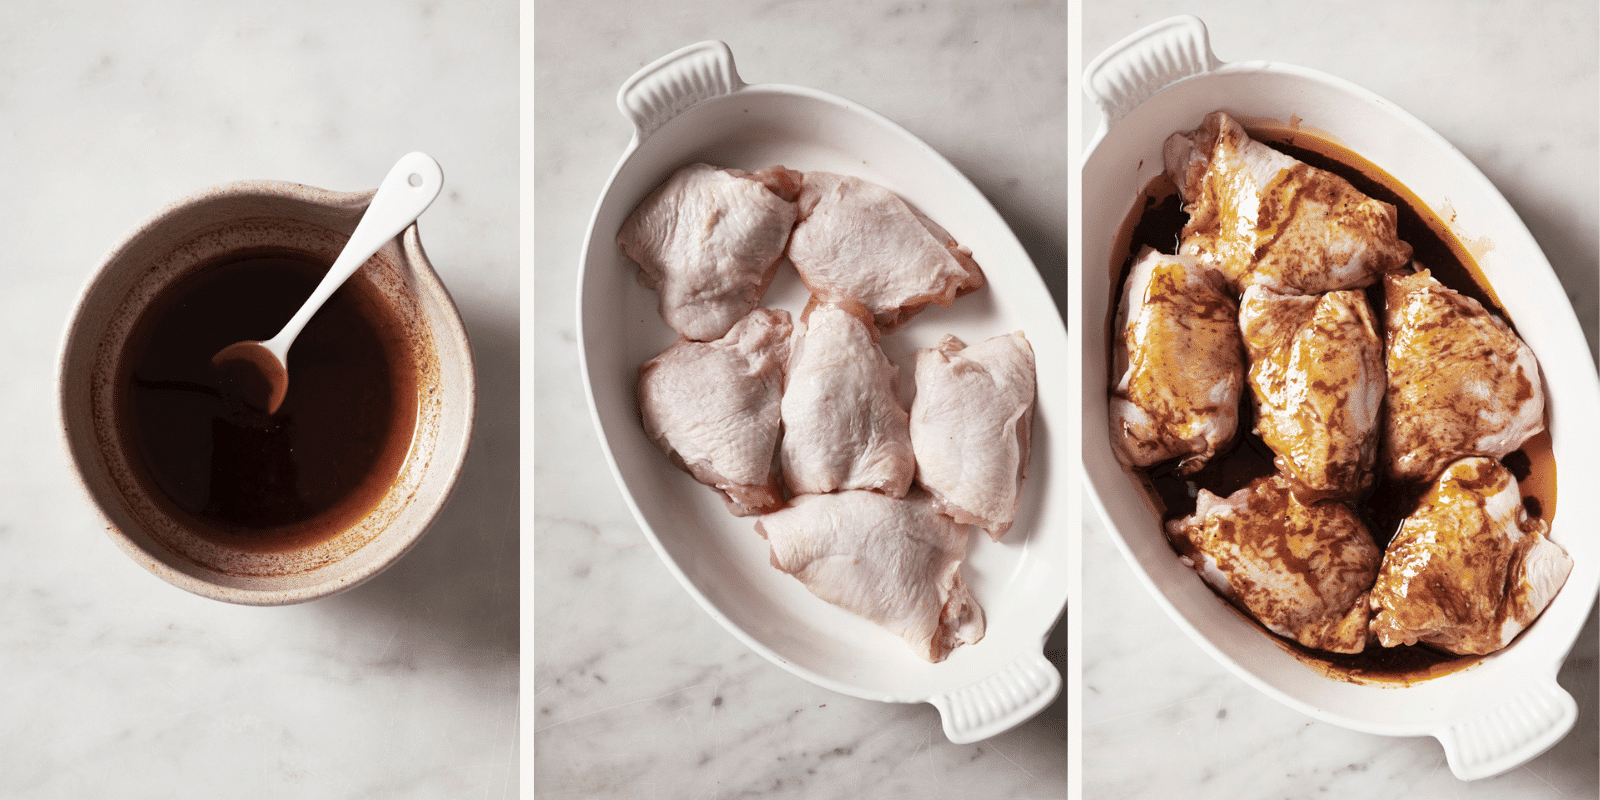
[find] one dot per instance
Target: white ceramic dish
(692, 106)
(1507, 708)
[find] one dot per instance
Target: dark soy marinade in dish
(232, 473)
(1157, 222)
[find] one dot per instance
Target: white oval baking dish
(692, 106)
(1507, 708)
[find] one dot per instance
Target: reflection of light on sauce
(1157, 220)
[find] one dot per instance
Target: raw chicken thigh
(1261, 216)
(896, 562)
(859, 241)
(1316, 373)
(1460, 381)
(709, 241)
(970, 427)
(1469, 569)
(1178, 363)
(1303, 571)
(844, 427)
(713, 408)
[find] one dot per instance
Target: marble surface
(1517, 92)
(112, 682)
(636, 692)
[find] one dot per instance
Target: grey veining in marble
(113, 683)
(636, 691)
(1515, 87)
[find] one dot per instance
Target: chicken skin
(1260, 216)
(1469, 570)
(1178, 363)
(1301, 570)
(1317, 379)
(1461, 383)
(844, 426)
(709, 242)
(971, 423)
(713, 408)
(858, 241)
(896, 562)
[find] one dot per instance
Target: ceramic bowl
(1505, 709)
(692, 106)
(241, 217)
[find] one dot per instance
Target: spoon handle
(407, 191)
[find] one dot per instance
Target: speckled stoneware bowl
(254, 216)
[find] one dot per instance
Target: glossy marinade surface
(232, 473)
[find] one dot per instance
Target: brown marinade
(232, 473)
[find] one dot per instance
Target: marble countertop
(1517, 93)
(637, 692)
(114, 683)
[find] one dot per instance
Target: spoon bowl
(254, 372)
(258, 371)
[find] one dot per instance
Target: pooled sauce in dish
(234, 474)
(1157, 222)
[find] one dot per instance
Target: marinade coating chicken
(713, 408)
(1468, 570)
(1461, 383)
(844, 426)
(1301, 570)
(856, 240)
(1178, 364)
(1317, 379)
(1261, 216)
(971, 422)
(895, 561)
(709, 241)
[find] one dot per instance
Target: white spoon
(261, 369)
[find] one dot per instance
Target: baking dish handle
(1150, 60)
(999, 702)
(1510, 734)
(676, 82)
